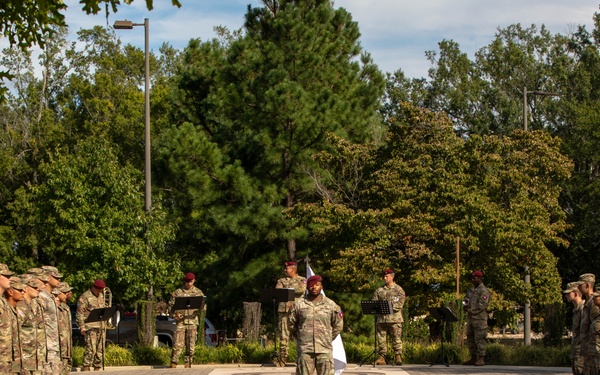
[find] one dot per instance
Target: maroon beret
(99, 283)
(388, 271)
(189, 276)
(313, 280)
(477, 274)
(289, 264)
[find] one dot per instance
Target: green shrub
(77, 356)
(144, 355)
(255, 353)
(115, 355)
(219, 354)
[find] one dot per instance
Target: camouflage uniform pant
(284, 335)
(477, 336)
(53, 366)
(92, 356)
(315, 363)
(185, 336)
(395, 331)
(67, 365)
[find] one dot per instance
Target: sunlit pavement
(352, 369)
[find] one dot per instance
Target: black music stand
(102, 315)
(375, 307)
(189, 303)
(443, 315)
(276, 295)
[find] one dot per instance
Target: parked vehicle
(125, 330)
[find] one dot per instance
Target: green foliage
(115, 355)
(533, 355)
(423, 188)
(220, 354)
(144, 355)
(77, 355)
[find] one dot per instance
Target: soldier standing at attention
(50, 315)
(573, 295)
(5, 322)
(290, 281)
(187, 322)
(14, 295)
(315, 321)
(36, 304)
(391, 323)
(29, 326)
(64, 326)
(476, 304)
(588, 315)
(93, 333)
(594, 346)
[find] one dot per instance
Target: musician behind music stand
(189, 303)
(375, 307)
(276, 295)
(102, 315)
(443, 315)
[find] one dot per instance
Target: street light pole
(527, 306)
(128, 25)
(525, 111)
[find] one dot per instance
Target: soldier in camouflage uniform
(14, 295)
(315, 321)
(187, 322)
(476, 304)
(291, 281)
(29, 327)
(391, 323)
(573, 295)
(589, 313)
(93, 333)
(50, 314)
(36, 304)
(64, 327)
(5, 322)
(594, 346)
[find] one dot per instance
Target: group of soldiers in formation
(35, 322)
(585, 340)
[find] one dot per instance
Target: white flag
(339, 354)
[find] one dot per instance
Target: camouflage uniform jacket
(316, 324)
(41, 331)
(86, 303)
(395, 294)
(64, 329)
(188, 317)
(479, 298)
(29, 334)
(298, 283)
(576, 329)
(589, 313)
(50, 315)
(5, 336)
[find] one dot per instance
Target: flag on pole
(339, 354)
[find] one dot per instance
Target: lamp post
(527, 307)
(128, 25)
(525, 92)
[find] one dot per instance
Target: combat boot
(470, 362)
(398, 360)
(380, 361)
(479, 361)
(173, 365)
(187, 365)
(97, 368)
(85, 368)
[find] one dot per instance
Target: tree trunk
(251, 325)
(146, 323)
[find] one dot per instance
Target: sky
(395, 32)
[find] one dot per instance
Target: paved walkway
(352, 369)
